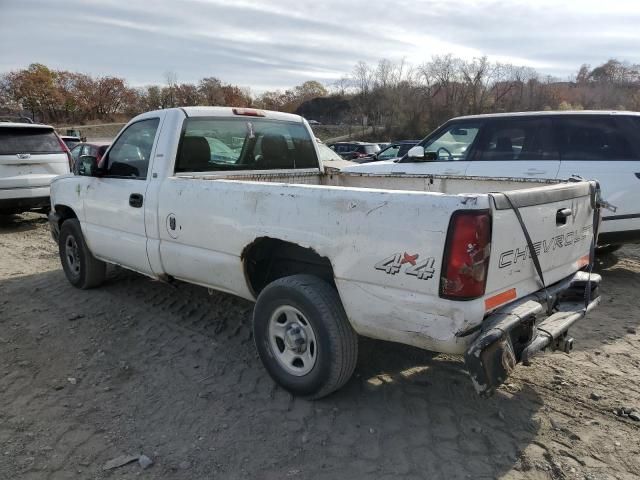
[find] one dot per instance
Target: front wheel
(81, 268)
(303, 336)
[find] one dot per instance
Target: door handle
(562, 215)
(135, 200)
(533, 171)
(452, 172)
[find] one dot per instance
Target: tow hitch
(517, 332)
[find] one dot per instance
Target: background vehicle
(604, 146)
(31, 155)
(356, 151)
(395, 150)
(330, 158)
(329, 256)
(70, 141)
(94, 149)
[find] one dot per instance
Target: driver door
(114, 224)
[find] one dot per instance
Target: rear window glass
(28, 140)
(213, 144)
(592, 138)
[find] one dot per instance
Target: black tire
(335, 340)
(607, 249)
(83, 270)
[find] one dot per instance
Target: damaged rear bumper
(516, 332)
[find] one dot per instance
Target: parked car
(394, 150)
(313, 122)
(70, 141)
(329, 256)
(330, 158)
(591, 144)
(31, 155)
(356, 151)
(94, 149)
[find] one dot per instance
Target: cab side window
(589, 137)
(129, 156)
(518, 139)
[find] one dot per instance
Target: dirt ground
(140, 367)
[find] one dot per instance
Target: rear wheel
(303, 336)
(81, 268)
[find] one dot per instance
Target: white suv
(31, 155)
(596, 145)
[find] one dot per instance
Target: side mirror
(420, 155)
(88, 166)
(416, 152)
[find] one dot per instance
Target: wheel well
(65, 213)
(267, 259)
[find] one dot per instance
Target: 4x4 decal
(423, 269)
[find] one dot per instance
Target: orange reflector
(248, 112)
(499, 299)
(583, 261)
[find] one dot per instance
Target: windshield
(210, 144)
(389, 152)
(452, 143)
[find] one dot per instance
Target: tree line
(399, 98)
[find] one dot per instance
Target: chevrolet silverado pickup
(237, 200)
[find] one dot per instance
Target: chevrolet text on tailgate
(236, 200)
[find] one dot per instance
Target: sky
(270, 44)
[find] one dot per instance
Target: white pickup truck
(237, 200)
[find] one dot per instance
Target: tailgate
(31, 170)
(560, 222)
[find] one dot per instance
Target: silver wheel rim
(292, 340)
(72, 255)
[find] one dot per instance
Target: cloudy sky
(266, 44)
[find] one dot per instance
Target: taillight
(65, 149)
(466, 256)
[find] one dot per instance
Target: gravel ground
(170, 372)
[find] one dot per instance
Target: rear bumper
(23, 199)
(516, 332)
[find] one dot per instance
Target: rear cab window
(212, 144)
(33, 140)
